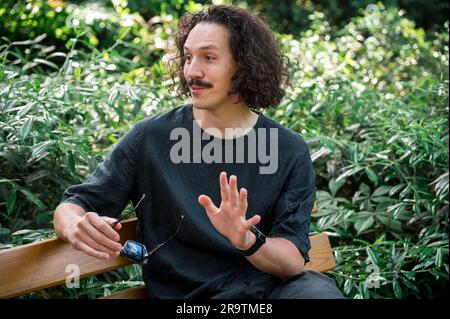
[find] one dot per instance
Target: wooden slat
(321, 255)
(132, 293)
(43, 264)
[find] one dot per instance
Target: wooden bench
(40, 265)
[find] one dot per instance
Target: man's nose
(194, 70)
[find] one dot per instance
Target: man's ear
(235, 97)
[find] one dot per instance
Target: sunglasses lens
(134, 251)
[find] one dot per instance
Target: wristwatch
(260, 240)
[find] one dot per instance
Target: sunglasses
(137, 252)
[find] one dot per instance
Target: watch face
(259, 236)
(260, 240)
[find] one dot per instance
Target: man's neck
(235, 116)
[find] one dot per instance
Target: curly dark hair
(262, 69)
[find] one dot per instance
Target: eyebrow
(206, 47)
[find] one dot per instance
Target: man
(229, 63)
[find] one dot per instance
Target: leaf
(405, 191)
(123, 32)
(106, 292)
(372, 175)
(4, 231)
(373, 257)
(419, 266)
(22, 232)
(291, 107)
(36, 175)
(439, 243)
(393, 252)
(71, 163)
(382, 190)
(113, 97)
(132, 93)
(57, 54)
(40, 148)
(321, 152)
(441, 181)
(382, 199)
(408, 283)
(77, 73)
(10, 201)
(43, 217)
(364, 189)
(32, 197)
(335, 186)
(348, 173)
(26, 127)
(393, 138)
(397, 289)
(293, 124)
(25, 109)
(363, 291)
(48, 63)
(6, 246)
(28, 42)
(348, 286)
(363, 224)
(438, 258)
(13, 158)
(396, 189)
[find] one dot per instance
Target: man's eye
(210, 58)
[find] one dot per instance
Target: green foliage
(373, 101)
(370, 97)
(65, 98)
(291, 16)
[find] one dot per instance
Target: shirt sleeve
(107, 190)
(293, 208)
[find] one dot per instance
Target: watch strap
(260, 240)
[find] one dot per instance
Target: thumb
(207, 204)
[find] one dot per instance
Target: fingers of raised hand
(233, 194)
(229, 192)
(243, 205)
(224, 188)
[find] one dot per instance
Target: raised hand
(229, 219)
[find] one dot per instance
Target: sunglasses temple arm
(162, 244)
(128, 214)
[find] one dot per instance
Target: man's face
(209, 66)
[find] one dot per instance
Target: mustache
(200, 83)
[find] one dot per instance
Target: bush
(291, 17)
(371, 99)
